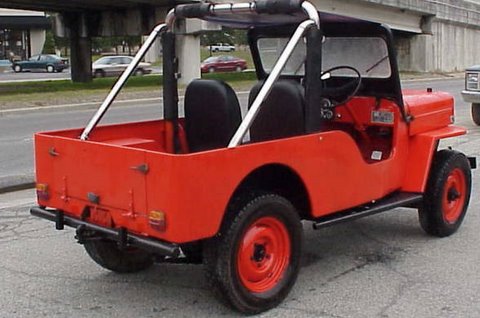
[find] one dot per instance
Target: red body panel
(430, 111)
(128, 168)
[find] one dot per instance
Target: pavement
(11, 183)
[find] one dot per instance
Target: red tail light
(42, 192)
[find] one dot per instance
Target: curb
(16, 183)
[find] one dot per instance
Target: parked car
(5, 65)
(471, 94)
(222, 47)
(42, 62)
(223, 64)
(115, 65)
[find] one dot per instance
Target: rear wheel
(254, 261)
(238, 69)
(139, 72)
(476, 113)
(50, 69)
(107, 254)
(447, 195)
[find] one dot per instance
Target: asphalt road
(381, 266)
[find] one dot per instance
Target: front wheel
(17, 68)
(447, 195)
(476, 113)
(254, 261)
(107, 254)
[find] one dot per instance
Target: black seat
(282, 114)
(212, 114)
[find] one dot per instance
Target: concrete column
(81, 59)
(188, 53)
(80, 45)
(155, 53)
(188, 50)
(422, 54)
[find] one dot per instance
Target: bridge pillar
(188, 52)
(188, 49)
(80, 45)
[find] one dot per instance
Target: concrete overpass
(431, 35)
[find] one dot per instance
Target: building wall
(34, 35)
(450, 48)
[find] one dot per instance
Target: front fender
(422, 148)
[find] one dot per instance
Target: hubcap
(454, 196)
(263, 254)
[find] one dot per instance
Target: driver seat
(282, 113)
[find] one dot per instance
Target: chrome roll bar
(267, 87)
(233, 8)
(127, 73)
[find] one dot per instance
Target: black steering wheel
(349, 89)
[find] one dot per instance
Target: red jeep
(329, 137)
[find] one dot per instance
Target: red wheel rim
(263, 254)
(454, 196)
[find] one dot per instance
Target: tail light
(157, 220)
(42, 191)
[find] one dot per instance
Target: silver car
(115, 65)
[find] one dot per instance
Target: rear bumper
(121, 236)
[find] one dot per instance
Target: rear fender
(422, 148)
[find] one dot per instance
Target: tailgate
(103, 175)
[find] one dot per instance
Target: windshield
(369, 55)
(211, 59)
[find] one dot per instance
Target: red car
(223, 64)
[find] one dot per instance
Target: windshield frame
(389, 88)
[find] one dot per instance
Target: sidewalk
(14, 183)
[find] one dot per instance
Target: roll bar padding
(278, 6)
(196, 10)
(199, 10)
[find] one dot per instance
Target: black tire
(107, 254)
(447, 194)
(238, 69)
(211, 70)
(476, 113)
(99, 73)
(17, 68)
(139, 72)
(226, 259)
(50, 69)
